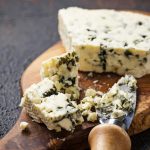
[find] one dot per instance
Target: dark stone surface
(27, 28)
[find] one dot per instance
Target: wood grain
(105, 137)
(39, 137)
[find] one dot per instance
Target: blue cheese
(107, 40)
(63, 71)
(56, 110)
(34, 94)
(113, 104)
(24, 125)
(88, 104)
(116, 103)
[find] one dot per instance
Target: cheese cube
(107, 40)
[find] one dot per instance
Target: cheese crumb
(92, 116)
(24, 125)
(90, 74)
(90, 92)
(22, 102)
(96, 81)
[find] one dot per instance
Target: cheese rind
(107, 40)
(56, 110)
(63, 71)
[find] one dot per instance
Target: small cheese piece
(56, 110)
(116, 103)
(66, 124)
(63, 71)
(88, 104)
(92, 116)
(24, 125)
(34, 94)
(90, 92)
(107, 40)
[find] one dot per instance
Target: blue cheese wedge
(56, 110)
(116, 103)
(107, 40)
(88, 104)
(63, 71)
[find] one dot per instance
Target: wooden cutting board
(39, 137)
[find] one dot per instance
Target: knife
(111, 133)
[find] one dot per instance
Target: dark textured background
(27, 28)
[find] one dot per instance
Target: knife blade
(115, 111)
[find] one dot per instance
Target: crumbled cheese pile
(116, 102)
(88, 103)
(113, 104)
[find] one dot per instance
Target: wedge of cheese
(56, 110)
(63, 71)
(107, 40)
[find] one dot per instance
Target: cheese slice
(56, 110)
(107, 40)
(63, 71)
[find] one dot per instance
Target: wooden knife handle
(109, 137)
